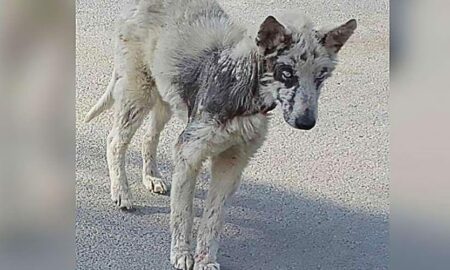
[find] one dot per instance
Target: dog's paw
(122, 199)
(208, 266)
(155, 184)
(183, 261)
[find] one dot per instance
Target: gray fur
(190, 59)
(208, 84)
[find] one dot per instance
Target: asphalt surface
(309, 200)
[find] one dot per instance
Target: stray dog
(190, 59)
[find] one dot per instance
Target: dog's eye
(321, 77)
(323, 73)
(286, 74)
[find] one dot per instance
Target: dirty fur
(190, 59)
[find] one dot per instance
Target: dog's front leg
(226, 170)
(188, 159)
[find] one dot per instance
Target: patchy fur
(190, 59)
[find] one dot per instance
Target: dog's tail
(105, 102)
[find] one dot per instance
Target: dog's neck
(261, 73)
(230, 83)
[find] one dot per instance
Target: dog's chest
(245, 130)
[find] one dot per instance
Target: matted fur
(190, 59)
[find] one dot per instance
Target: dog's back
(196, 32)
(162, 34)
(183, 27)
(198, 25)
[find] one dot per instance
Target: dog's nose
(305, 123)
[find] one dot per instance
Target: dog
(188, 58)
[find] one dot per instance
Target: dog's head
(298, 59)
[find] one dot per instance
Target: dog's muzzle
(305, 123)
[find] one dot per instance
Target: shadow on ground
(266, 228)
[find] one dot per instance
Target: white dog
(189, 58)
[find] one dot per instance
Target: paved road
(310, 199)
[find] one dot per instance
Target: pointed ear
(336, 38)
(272, 35)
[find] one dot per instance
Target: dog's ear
(272, 36)
(334, 40)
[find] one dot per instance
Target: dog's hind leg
(159, 116)
(128, 116)
(226, 170)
